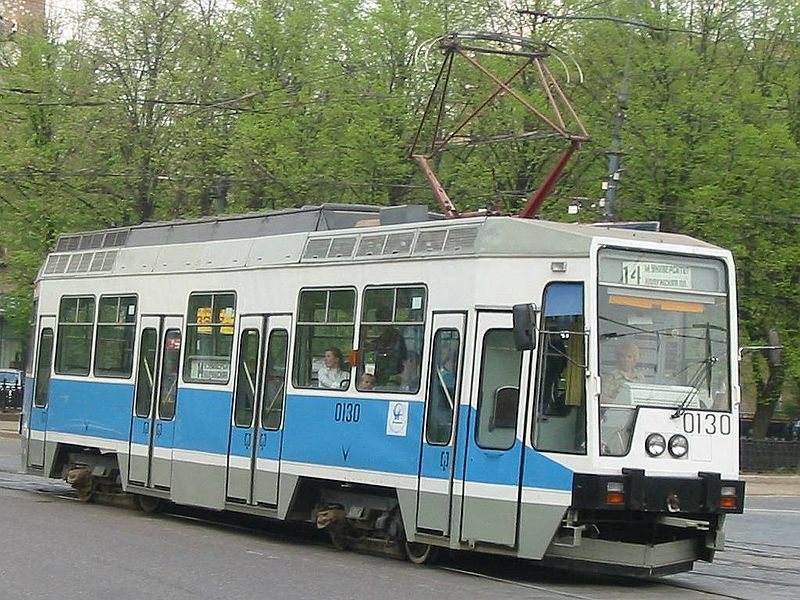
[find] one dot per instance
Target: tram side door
(165, 403)
(494, 450)
(243, 418)
(435, 483)
(256, 435)
(37, 419)
(143, 417)
(269, 431)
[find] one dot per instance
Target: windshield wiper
(693, 382)
(703, 372)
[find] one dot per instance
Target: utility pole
(611, 183)
(615, 153)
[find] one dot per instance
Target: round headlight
(678, 446)
(655, 444)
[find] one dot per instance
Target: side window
(74, 345)
(561, 391)
(392, 328)
(32, 335)
(246, 378)
(275, 379)
(168, 386)
(325, 328)
(146, 371)
(498, 395)
(116, 331)
(209, 336)
(45, 361)
(442, 386)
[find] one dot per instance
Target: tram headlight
(678, 446)
(655, 444)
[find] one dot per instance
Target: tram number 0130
(709, 423)
(347, 412)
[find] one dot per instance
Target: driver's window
(561, 391)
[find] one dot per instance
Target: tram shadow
(282, 531)
(527, 572)
(508, 569)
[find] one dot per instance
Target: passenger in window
(447, 369)
(367, 382)
(408, 379)
(332, 374)
(627, 371)
(442, 394)
(390, 349)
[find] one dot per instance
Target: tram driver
(627, 371)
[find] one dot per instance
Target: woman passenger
(332, 374)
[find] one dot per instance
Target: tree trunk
(769, 392)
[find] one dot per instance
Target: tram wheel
(148, 504)
(80, 478)
(421, 554)
(339, 540)
(85, 494)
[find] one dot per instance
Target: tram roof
(338, 232)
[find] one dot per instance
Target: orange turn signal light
(615, 498)
(727, 502)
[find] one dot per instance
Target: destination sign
(657, 275)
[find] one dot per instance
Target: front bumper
(699, 496)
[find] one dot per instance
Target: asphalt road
(57, 548)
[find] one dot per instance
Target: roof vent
(56, 264)
(399, 244)
(461, 240)
(430, 242)
(317, 248)
(342, 247)
(371, 245)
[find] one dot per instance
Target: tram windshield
(663, 338)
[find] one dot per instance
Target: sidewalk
(771, 485)
(9, 424)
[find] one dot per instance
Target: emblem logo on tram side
(397, 418)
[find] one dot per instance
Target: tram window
(209, 336)
(442, 385)
(246, 378)
(392, 328)
(32, 333)
(75, 326)
(146, 372)
(168, 386)
(116, 331)
(275, 379)
(561, 391)
(498, 394)
(43, 368)
(325, 328)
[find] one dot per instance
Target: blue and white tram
(550, 391)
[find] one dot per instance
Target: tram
(556, 392)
